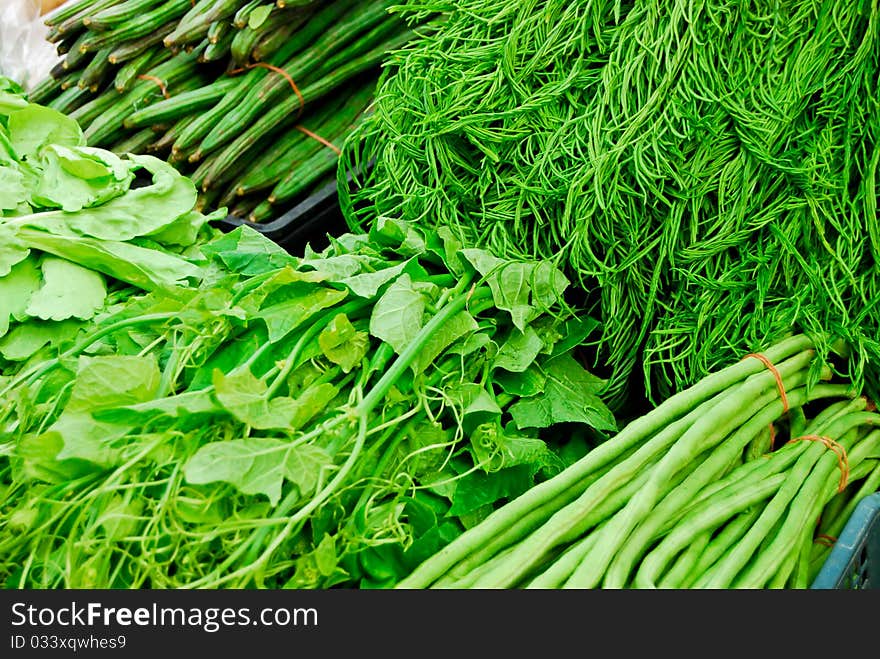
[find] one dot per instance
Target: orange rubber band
(842, 459)
(776, 375)
(279, 71)
(825, 539)
(158, 82)
(326, 143)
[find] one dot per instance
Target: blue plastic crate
(854, 561)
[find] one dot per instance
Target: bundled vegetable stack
(710, 169)
(250, 99)
(742, 480)
(218, 412)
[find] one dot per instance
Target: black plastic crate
(309, 221)
(854, 561)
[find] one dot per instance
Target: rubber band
(279, 71)
(772, 436)
(825, 539)
(314, 136)
(776, 375)
(842, 459)
(161, 84)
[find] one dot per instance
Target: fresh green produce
(182, 408)
(729, 483)
(708, 170)
(220, 82)
(328, 420)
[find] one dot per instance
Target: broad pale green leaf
(245, 250)
(245, 397)
(35, 458)
(113, 381)
(342, 344)
(24, 340)
(68, 291)
(76, 178)
(13, 190)
(258, 466)
(12, 249)
(367, 284)
(146, 268)
(397, 315)
(477, 405)
(399, 235)
(461, 324)
(519, 351)
(16, 289)
(35, 126)
(273, 287)
(118, 518)
(185, 229)
(10, 102)
(189, 405)
(288, 307)
(84, 438)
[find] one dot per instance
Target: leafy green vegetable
(707, 173)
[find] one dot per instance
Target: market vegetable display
(740, 481)
(223, 413)
(219, 88)
(708, 171)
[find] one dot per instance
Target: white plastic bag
(25, 54)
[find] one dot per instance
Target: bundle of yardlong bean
(250, 98)
(735, 482)
(710, 166)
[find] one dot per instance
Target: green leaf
(367, 284)
(36, 459)
(84, 438)
(495, 448)
(397, 315)
(342, 344)
(16, 289)
(479, 489)
(258, 466)
(290, 306)
(524, 289)
(149, 269)
(113, 381)
(13, 190)
(79, 177)
(24, 340)
(570, 394)
(68, 291)
(530, 382)
(519, 351)
(456, 327)
(246, 398)
(247, 251)
(10, 102)
(398, 235)
(35, 126)
(326, 559)
(12, 249)
(187, 405)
